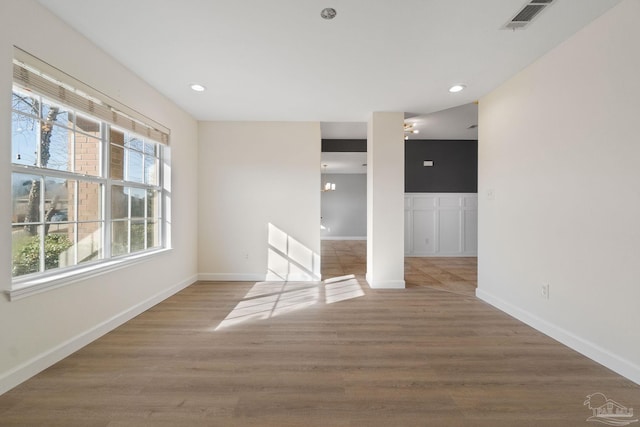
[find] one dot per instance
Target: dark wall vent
(527, 14)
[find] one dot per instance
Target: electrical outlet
(545, 291)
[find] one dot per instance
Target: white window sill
(24, 288)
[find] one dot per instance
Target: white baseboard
(591, 350)
(437, 255)
(343, 238)
(232, 277)
(385, 284)
(41, 362)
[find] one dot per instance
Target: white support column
(385, 201)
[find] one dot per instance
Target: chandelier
(408, 129)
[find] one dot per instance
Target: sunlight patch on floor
(270, 299)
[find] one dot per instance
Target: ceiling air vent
(527, 14)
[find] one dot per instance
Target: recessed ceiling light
(456, 88)
(197, 87)
(328, 13)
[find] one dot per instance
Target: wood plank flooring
(327, 354)
(458, 275)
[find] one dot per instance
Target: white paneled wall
(441, 224)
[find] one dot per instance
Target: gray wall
(344, 211)
(454, 170)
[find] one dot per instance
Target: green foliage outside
(26, 257)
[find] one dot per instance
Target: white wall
(559, 186)
(253, 174)
(344, 211)
(39, 330)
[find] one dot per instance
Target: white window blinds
(34, 75)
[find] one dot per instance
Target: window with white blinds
(87, 178)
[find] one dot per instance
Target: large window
(84, 189)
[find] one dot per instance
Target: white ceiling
(279, 60)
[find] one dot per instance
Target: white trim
(22, 289)
(232, 277)
(593, 351)
(343, 238)
(432, 255)
(436, 205)
(42, 361)
(385, 284)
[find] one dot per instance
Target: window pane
(153, 204)
(56, 143)
(119, 238)
(134, 166)
(25, 103)
(24, 139)
(119, 202)
(89, 244)
(137, 202)
(57, 193)
(87, 155)
(87, 125)
(150, 148)
(57, 246)
(151, 170)
(137, 236)
(116, 162)
(89, 201)
(153, 235)
(116, 137)
(25, 191)
(54, 113)
(25, 250)
(134, 142)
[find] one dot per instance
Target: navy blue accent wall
(344, 145)
(454, 170)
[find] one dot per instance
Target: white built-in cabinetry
(441, 224)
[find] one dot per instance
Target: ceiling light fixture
(409, 128)
(197, 87)
(328, 13)
(456, 88)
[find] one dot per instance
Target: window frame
(36, 282)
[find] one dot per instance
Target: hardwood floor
(326, 354)
(457, 275)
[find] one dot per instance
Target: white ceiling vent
(527, 14)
